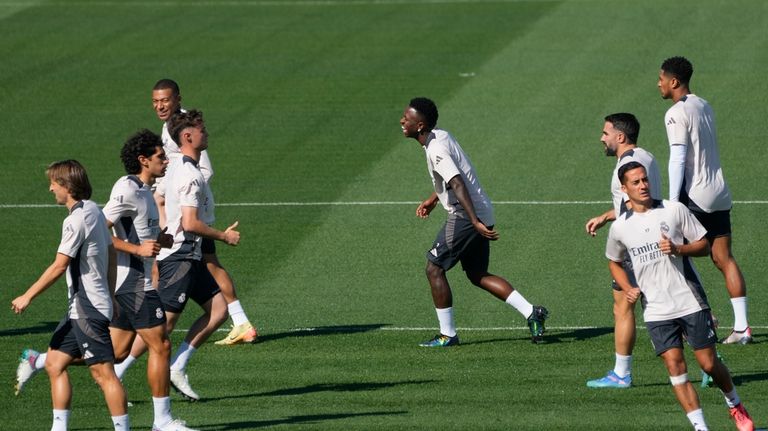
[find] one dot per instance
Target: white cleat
(26, 368)
(739, 337)
(180, 382)
(174, 425)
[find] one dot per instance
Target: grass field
(302, 101)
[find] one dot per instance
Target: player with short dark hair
(466, 235)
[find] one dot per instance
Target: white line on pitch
(365, 328)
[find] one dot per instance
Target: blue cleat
(441, 340)
(611, 380)
(536, 323)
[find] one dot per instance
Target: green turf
(302, 100)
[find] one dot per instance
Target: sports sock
(121, 423)
(60, 420)
(162, 410)
(40, 361)
(445, 317)
(182, 356)
(122, 367)
(516, 300)
(732, 398)
(739, 313)
(697, 420)
(237, 313)
(623, 365)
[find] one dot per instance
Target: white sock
(623, 365)
(162, 411)
(121, 423)
(739, 313)
(697, 420)
(40, 361)
(182, 356)
(122, 367)
(516, 300)
(445, 317)
(237, 313)
(732, 398)
(60, 420)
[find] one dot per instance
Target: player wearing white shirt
(660, 237)
(166, 101)
(696, 179)
(466, 234)
(86, 255)
(619, 138)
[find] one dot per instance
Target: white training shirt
(691, 122)
(670, 285)
(185, 187)
(86, 239)
(646, 159)
(445, 160)
(135, 218)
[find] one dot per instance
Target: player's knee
(434, 271)
(679, 379)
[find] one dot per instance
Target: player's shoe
(441, 340)
(180, 382)
(738, 337)
(174, 425)
(611, 380)
(536, 323)
(742, 419)
(26, 368)
(706, 379)
(244, 333)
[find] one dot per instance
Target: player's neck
(642, 206)
(147, 178)
(191, 153)
(70, 202)
(623, 149)
(680, 93)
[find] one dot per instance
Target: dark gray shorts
(184, 279)
(138, 310)
(458, 241)
(716, 223)
(84, 338)
(698, 328)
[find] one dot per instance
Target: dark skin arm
(460, 190)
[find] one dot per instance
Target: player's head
(166, 98)
(675, 73)
(144, 150)
(619, 129)
(419, 117)
(634, 182)
(68, 177)
(188, 128)
(631, 166)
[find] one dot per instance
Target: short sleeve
(443, 163)
(614, 248)
(677, 127)
(72, 236)
(120, 204)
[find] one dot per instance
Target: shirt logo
(159, 312)
(671, 122)
(182, 298)
(664, 227)
(438, 159)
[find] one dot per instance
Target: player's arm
(426, 207)
(191, 223)
(460, 190)
(695, 249)
(149, 248)
(112, 269)
(46, 280)
(677, 154)
(596, 223)
(160, 202)
(205, 166)
(622, 280)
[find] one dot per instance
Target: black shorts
(458, 241)
(698, 328)
(627, 265)
(208, 246)
(84, 338)
(182, 279)
(717, 223)
(138, 310)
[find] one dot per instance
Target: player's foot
(536, 323)
(441, 340)
(611, 380)
(244, 333)
(174, 425)
(26, 368)
(742, 419)
(739, 337)
(180, 382)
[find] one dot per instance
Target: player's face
(636, 185)
(411, 123)
(165, 103)
(157, 162)
(665, 85)
(610, 139)
(60, 193)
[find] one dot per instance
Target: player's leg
(624, 335)
(242, 329)
(723, 259)
(122, 342)
(56, 364)
(684, 392)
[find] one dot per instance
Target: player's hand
(668, 247)
(148, 248)
(231, 236)
(20, 304)
(632, 295)
(165, 239)
(484, 231)
(594, 224)
(425, 208)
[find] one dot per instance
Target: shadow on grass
(293, 420)
(747, 378)
(42, 328)
(576, 335)
(322, 330)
